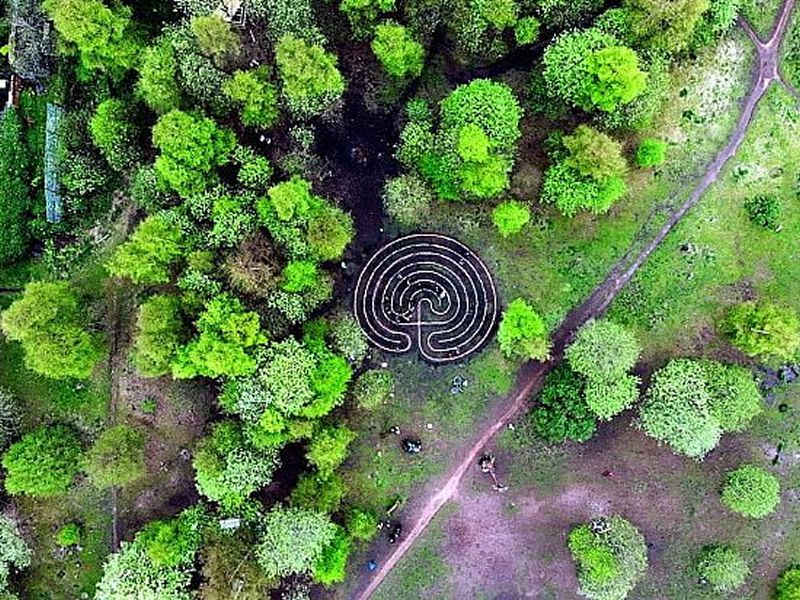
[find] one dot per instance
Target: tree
(763, 330)
(230, 569)
(256, 95)
(48, 320)
(488, 104)
(361, 524)
(347, 338)
(560, 412)
(735, 397)
(608, 398)
(764, 211)
(722, 568)
(603, 350)
(407, 199)
(320, 493)
(157, 85)
(312, 83)
(216, 38)
(330, 566)
(14, 551)
(526, 31)
(522, 332)
(594, 154)
(228, 469)
(299, 276)
(589, 69)
(117, 457)
(664, 26)
(751, 492)
(788, 587)
(15, 190)
(293, 540)
(330, 231)
(102, 35)
(328, 448)
(10, 417)
(373, 388)
(191, 146)
(148, 254)
(226, 331)
(676, 410)
(159, 334)
(114, 133)
(611, 557)
(397, 50)
(510, 217)
(44, 462)
(174, 542)
(651, 153)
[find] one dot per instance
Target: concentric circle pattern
(426, 291)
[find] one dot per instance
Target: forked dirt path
(531, 375)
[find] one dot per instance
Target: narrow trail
(531, 375)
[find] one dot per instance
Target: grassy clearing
(760, 14)
(422, 573)
(716, 257)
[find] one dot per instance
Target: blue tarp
(52, 189)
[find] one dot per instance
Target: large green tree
(522, 332)
(763, 330)
(312, 83)
(44, 462)
(49, 320)
(159, 334)
(117, 457)
(293, 540)
(149, 253)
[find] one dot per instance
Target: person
(412, 446)
(395, 532)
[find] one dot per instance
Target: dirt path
(531, 375)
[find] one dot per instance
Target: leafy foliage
(397, 50)
(594, 154)
(608, 398)
(159, 332)
(347, 338)
(510, 217)
(117, 457)
(228, 469)
(522, 332)
(526, 30)
(667, 27)
(49, 322)
(293, 541)
(560, 412)
(191, 146)
(788, 587)
(328, 448)
(603, 350)
(15, 191)
(751, 491)
(312, 83)
(764, 211)
(362, 525)
(157, 84)
(14, 551)
(44, 462)
(216, 38)
(722, 568)
(257, 96)
(150, 251)
(735, 396)
(611, 557)
(763, 330)
(225, 332)
(115, 134)
(330, 566)
(373, 388)
(69, 535)
(320, 493)
(651, 153)
(230, 569)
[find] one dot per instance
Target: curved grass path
(531, 375)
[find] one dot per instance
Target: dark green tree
(117, 457)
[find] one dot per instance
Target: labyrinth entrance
(429, 292)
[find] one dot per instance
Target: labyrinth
(429, 292)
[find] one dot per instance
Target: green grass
(760, 14)
(422, 572)
(716, 257)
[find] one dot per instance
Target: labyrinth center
(426, 291)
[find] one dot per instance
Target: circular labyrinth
(426, 291)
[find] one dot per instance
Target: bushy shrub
(611, 558)
(117, 457)
(320, 493)
(228, 469)
(603, 350)
(362, 525)
(312, 83)
(407, 199)
(651, 153)
(14, 551)
(788, 587)
(330, 566)
(510, 217)
(216, 38)
(764, 211)
(191, 146)
(526, 30)
(148, 254)
(49, 321)
(293, 541)
(522, 333)
(69, 535)
(44, 462)
(226, 331)
(328, 448)
(722, 568)
(159, 328)
(560, 412)
(763, 330)
(397, 50)
(115, 134)
(256, 95)
(373, 388)
(157, 85)
(751, 492)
